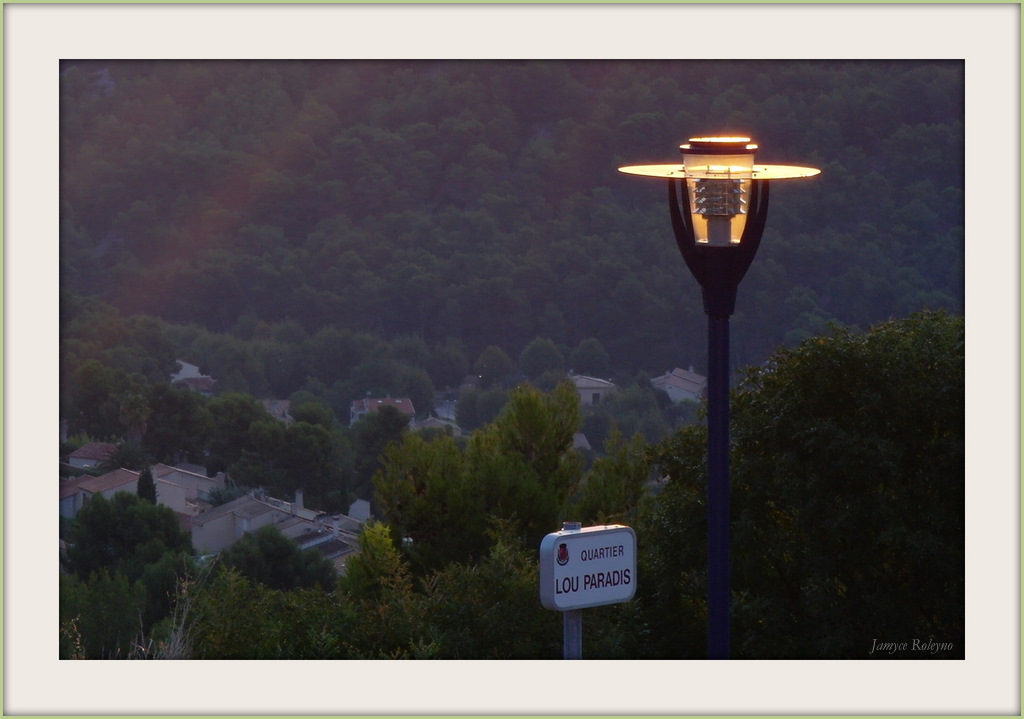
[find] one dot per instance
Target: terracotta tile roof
(94, 450)
(108, 481)
(69, 487)
(198, 384)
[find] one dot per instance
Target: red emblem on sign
(563, 555)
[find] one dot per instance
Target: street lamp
(718, 223)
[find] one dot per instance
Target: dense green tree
(476, 407)
(378, 565)
(331, 354)
(539, 428)
(489, 405)
(448, 364)
(467, 414)
(616, 483)
(180, 426)
(236, 368)
(590, 358)
(539, 357)
(122, 534)
(300, 455)
(259, 463)
(94, 393)
(493, 365)
(268, 557)
(526, 459)
(496, 614)
(131, 548)
(100, 616)
(412, 350)
(635, 409)
(281, 363)
(379, 586)
(311, 459)
(417, 385)
(372, 435)
(158, 584)
(314, 413)
(149, 338)
(234, 617)
(126, 455)
(597, 426)
(520, 470)
(233, 415)
(134, 414)
(230, 618)
(848, 498)
(429, 497)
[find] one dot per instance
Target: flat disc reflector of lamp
(759, 172)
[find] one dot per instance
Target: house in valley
(362, 407)
(219, 527)
(74, 493)
(91, 454)
(279, 409)
(681, 384)
(198, 487)
(71, 500)
(189, 376)
(592, 390)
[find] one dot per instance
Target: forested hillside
(256, 207)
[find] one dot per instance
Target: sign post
(572, 634)
(584, 567)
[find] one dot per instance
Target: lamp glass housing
(718, 173)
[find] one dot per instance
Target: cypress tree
(147, 487)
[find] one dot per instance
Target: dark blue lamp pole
(718, 219)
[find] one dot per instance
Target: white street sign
(587, 567)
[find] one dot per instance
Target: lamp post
(718, 222)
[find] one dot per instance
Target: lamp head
(718, 171)
(718, 223)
